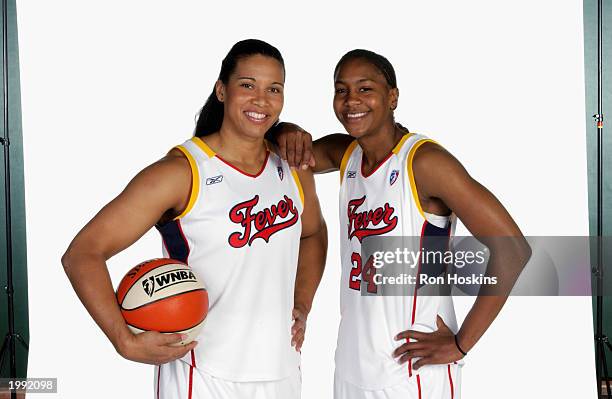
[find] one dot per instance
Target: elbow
(70, 259)
(67, 260)
(524, 253)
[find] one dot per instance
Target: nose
(259, 98)
(352, 98)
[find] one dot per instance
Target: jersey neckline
(263, 166)
(394, 150)
(381, 163)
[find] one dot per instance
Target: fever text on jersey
(263, 222)
(360, 222)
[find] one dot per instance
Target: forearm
(311, 264)
(89, 277)
(328, 152)
(505, 265)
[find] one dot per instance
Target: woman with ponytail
(247, 224)
(397, 183)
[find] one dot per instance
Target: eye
(275, 90)
(365, 89)
(340, 90)
(246, 85)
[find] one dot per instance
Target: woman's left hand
(437, 347)
(299, 328)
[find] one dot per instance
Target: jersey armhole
(347, 154)
(296, 178)
(195, 181)
(413, 187)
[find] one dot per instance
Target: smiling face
(363, 100)
(253, 96)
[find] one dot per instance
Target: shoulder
(430, 157)
(175, 163)
(170, 173)
(306, 178)
(436, 171)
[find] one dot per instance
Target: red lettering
(359, 221)
(262, 221)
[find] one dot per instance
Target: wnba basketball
(163, 295)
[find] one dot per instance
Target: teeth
(356, 115)
(255, 115)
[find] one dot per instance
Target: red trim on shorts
(158, 376)
(190, 380)
(243, 172)
(191, 367)
(450, 380)
(414, 298)
(419, 384)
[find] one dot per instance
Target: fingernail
(184, 337)
(304, 167)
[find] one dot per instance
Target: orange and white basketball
(163, 295)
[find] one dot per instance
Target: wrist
(123, 342)
(459, 346)
(302, 307)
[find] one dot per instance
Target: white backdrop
(108, 87)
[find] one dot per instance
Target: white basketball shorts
(432, 382)
(178, 380)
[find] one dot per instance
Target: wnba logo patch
(164, 280)
(280, 172)
(393, 177)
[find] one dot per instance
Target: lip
(256, 116)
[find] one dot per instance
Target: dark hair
(210, 117)
(380, 62)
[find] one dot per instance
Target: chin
(257, 132)
(355, 132)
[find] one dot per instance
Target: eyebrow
(359, 81)
(255, 80)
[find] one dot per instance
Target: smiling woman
(242, 220)
(394, 182)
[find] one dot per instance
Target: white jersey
(383, 203)
(241, 233)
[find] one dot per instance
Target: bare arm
(440, 178)
(330, 149)
(311, 261)
(296, 147)
(163, 186)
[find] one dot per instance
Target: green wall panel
(17, 205)
(590, 54)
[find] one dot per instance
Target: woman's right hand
(295, 145)
(152, 347)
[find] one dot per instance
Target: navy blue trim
(435, 239)
(174, 240)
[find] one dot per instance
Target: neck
(234, 146)
(377, 145)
